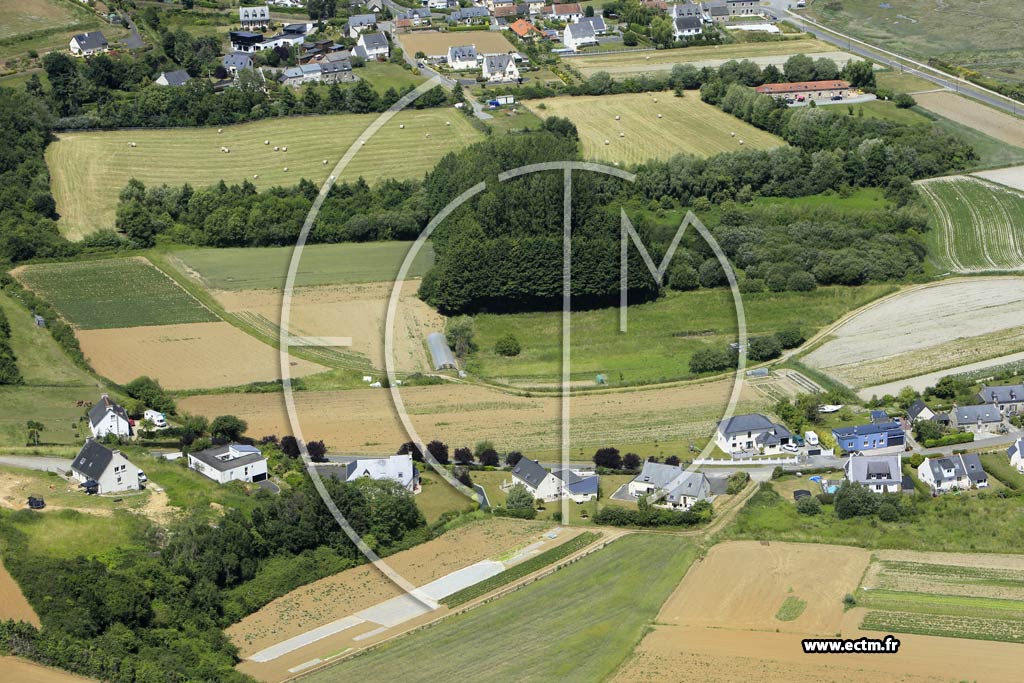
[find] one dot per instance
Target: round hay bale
(617, 117)
(285, 169)
(129, 144)
(362, 142)
(447, 123)
(401, 126)
(428, 135)
(266, 142)
(732, 135)
(607, 142)
(276, 148)
(325, 162)
(741, 142)
(655, 99)
(220, 130)
(255, 176)
(659, 116)
(621, 134)
(227, 150)
(284, 149)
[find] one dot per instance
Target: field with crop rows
(113, 293)
(978, 225)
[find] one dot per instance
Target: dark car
(36, 503)
(837, 97)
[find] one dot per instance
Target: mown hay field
(686, 125)
(122, 292)
(978, 225)
(992, 122)
(89, 169)
(435, 43)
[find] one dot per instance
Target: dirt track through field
(13, 604)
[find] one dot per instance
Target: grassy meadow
(686, 125)
(89, 169)
(123, 292)
(321, 264)
(69, 533)
(41, 360)
(661, 336)
(44, 25)
(597, 623)
(53, 406)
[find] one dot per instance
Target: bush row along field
(653, 126)
(978, 225)
(520, 570)
(661, 336)
(949, 626)
(549, 645)
(90, 169)
(123, 292)
(319, 264)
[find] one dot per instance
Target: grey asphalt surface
(36, 462)
(133, 41)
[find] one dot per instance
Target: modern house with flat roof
(230, 462)
(870, 437)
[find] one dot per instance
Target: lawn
(60, 493)
(41, 360)
(978, 225)
(661, 337)
(438, 497)
(888, 111)
(384, 75)
(686, 125)
(53, 406)
(89, 169)
(997, 465)
(44, 25)
(575, 626)
(68, 533)
(321, 264)
(189, 490)
(863, 199)
(112, 293)
(902, 82)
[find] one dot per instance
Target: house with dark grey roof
(374, 45)
(577, 485)
(107, 417)
(982, 420)
(462, 57)
(1008, 399)
(716, 11)
(953, 473)
(85, 44)
(236, 61)
(580, 34)
(173, 78)
(1016, 455)
(750, 433)
(358, 23)
(99, 469)
(919, 410)
(336, 68)
(686, 27)
(497, 68)
(469, 15)
(878, 473)
(670, 485)
(230, 462)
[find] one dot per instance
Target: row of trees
(9, 372)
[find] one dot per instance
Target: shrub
(763, 348)
(609, 458)
(888, 512)
(778, 472)
(849, 601)
(808, 506)
(737, 480)
(904, 101)
(790, 338)
(950, 439)
(915, 460)
(507, 346)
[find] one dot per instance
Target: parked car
(811, 437)
(837, 97)
(798, 440)
(791, 448)
(142, 477)
(35, 503)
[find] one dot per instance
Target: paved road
(895, 60)
(36, 462)
(133, 41)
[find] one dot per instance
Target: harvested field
(978, 225)
(26, 16)
(993, 122)
(18, 670)
(687, 125)
(435, 44)
(940, 326)
(113, 293)
(1011, 177)
(356, 589)
(13, 604)
(90, 169)
(192, 356)
(720, 627)
(365, 421)
(711, 56)
(356, 311)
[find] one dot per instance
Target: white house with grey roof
(107, 417)
(462, 57)
(230, 462)
(752, 432)
(878, 473)
(982, 420)
(686, 27)
(1008, 399)
(360, 23)
(236, 61)
(104, 470)
(397, 468)
(1016, 455)
(173, 78)
(671, 485)
(577, 485)
(953, 473)
(374, 46)
(254, 17)
(580, 34)
(497, 68)
(85, 44)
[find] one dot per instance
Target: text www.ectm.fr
(887, 645)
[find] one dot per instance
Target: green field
(69, 533)
(792, 607)
(888, 111)
(902, 81)
(384, 75)
(437, 496)
(978, 225)
(90, 169)
(41, 361)
(44, 25)
(575, 626)
(999, 467)
(986, 39)
(321, 264)
(661, 337)
(687, 126)
(114, 293)
(53, 406)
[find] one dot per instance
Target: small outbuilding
(440, 353)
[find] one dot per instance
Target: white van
(810, 438)
(157, 418)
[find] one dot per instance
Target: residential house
(374, 46)
(577, 485)
(750, 433)
(236, 61)
(673, 486)
(536, 6)
(566, 13)
(1009, 399)
(870, 437)
(358, 23)
(417, 17)
(982, 420)
(106, 417)
(495, 5)
(918, 410)
(498, 68)
(689, 9)
(85, 44)
(504, 12)
(880, 416)
(296, 76)
(104, 470)
(716, 11)
(743, 7)
(525, 30)
(879, 473)
(470, 15)
(245, 41)
(173, 78)
(579, 35)
(336, 68)
(254, 18)
(462, 57)
(686, 27)
(397, 468)
(442, 4)
(953, 473)
(816, 90)
(230, 462)
(596, 22)
(284, 39)
(1016, 455)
